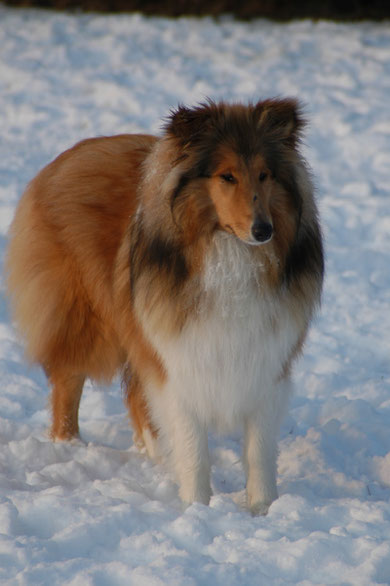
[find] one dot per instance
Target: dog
(194, 263)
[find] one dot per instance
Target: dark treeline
(244, 9)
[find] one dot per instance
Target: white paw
(147, 443)
(260, 508)
(191, 494)
(259, 502)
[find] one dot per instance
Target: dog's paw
(148, 444)
(259, 509)
(190, 496)
(259, 504)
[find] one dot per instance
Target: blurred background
(245, 9)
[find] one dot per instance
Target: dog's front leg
(260, 454)
(191, 458)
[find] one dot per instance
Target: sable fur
(139, 253)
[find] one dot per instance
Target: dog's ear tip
(286, 103)
(175, 115)
(185, 123)
(282, 115)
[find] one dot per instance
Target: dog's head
(244, 157)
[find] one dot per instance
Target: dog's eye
(229, 178)
(262, 176)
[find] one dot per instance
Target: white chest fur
(227, 361)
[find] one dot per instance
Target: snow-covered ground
(96, 511)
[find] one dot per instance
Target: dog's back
(63, 244)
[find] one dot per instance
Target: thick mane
(159, 255)
(305, 257)
(174, 198)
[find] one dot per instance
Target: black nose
(262, 231)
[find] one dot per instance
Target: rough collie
(194, 263)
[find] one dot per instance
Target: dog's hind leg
(65, 400)
(145, 433)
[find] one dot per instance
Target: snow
(97, 512)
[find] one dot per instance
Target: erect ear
(188, 124)
(282, 118)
